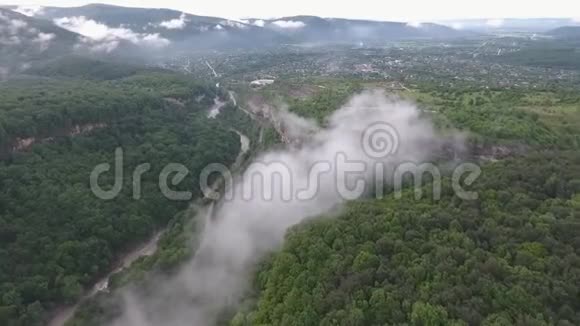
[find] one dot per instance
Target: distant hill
(568, 32)
(112, 32)
(79, 67)
(530, 25)
(164, 26)
(316, 29)
(25, 40)
(182, 30)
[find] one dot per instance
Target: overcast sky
(400, 10)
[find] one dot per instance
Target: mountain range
(162, 27)
(28, 36)
(25, 40)
(317, 29)
(530, 25)
(568, 32)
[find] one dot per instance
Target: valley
(110, 118)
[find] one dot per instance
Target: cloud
(242, 231)
(99, 47)
(290, 24)
(16, 32)
(576, 20)
(94, 30)
(219, 27)
(495, 23)
(11, 29)
(30, 10)
(44, 39)
(457, 26)
(178, 23)
(154, 40)
(259, 23)
(232, 23)
(415, 24)
(14, 26)
(101, 36)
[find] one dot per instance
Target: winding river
(149, 248)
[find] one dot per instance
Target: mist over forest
(159, 167)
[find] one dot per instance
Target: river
(149, 248)
(146, 249)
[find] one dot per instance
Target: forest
(100, 96)
(511, 257)
(56, 236)
(547, 54)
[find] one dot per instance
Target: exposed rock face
(24, 144)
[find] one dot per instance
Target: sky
(406, 10)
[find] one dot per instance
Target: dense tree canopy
(512, 257)
(56, 236)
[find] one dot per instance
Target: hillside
(160, 27)
(115, 122)
(562, 53)
(25, 40)
(163, 27)
(74, 66)
(568, 32)
(509, 258)
(56, 236)
(316, 29)
(530, 25)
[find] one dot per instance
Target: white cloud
(94, 30)
(16, 32)
(260, 23)
(219, 27)
(44, 39)
(415, 24)
(457, 26)
(16, 25)
(178, 23)
(30, 10)
(155, 40)
(234, 24)
(99, 46)
(495, 23)
(12, 26)
(240, 232)
(290, 24)
(108, 37)
(576, 20)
